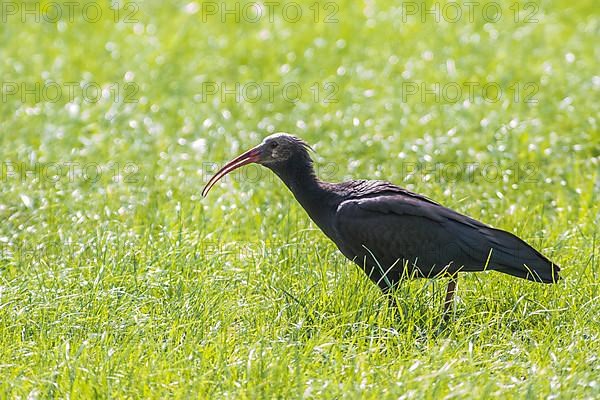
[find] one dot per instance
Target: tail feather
(513, 256)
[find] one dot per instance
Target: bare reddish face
(251, 156)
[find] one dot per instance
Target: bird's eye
(274, 145)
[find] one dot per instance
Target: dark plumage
(390, 232)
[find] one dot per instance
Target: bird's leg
(450, 294)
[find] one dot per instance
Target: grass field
(118, 280)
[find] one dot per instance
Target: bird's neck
(302, 181)
(313, 195)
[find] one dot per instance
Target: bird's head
(276, 152)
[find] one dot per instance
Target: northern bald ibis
(390, 232)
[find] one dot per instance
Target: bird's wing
(396, 227)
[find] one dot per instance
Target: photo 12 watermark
(472, 172)
(268, 11)
(458, 92)
(254, 92)
(68, 11)
(19, 250)
(469, 11)
(69, 171)
(254, 173)
(55, 92)
(247, 250)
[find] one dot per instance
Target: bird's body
(390, 232)
(393, 233)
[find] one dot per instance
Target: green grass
(134, 286)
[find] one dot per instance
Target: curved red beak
(251, 156)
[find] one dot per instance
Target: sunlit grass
(118, 280)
